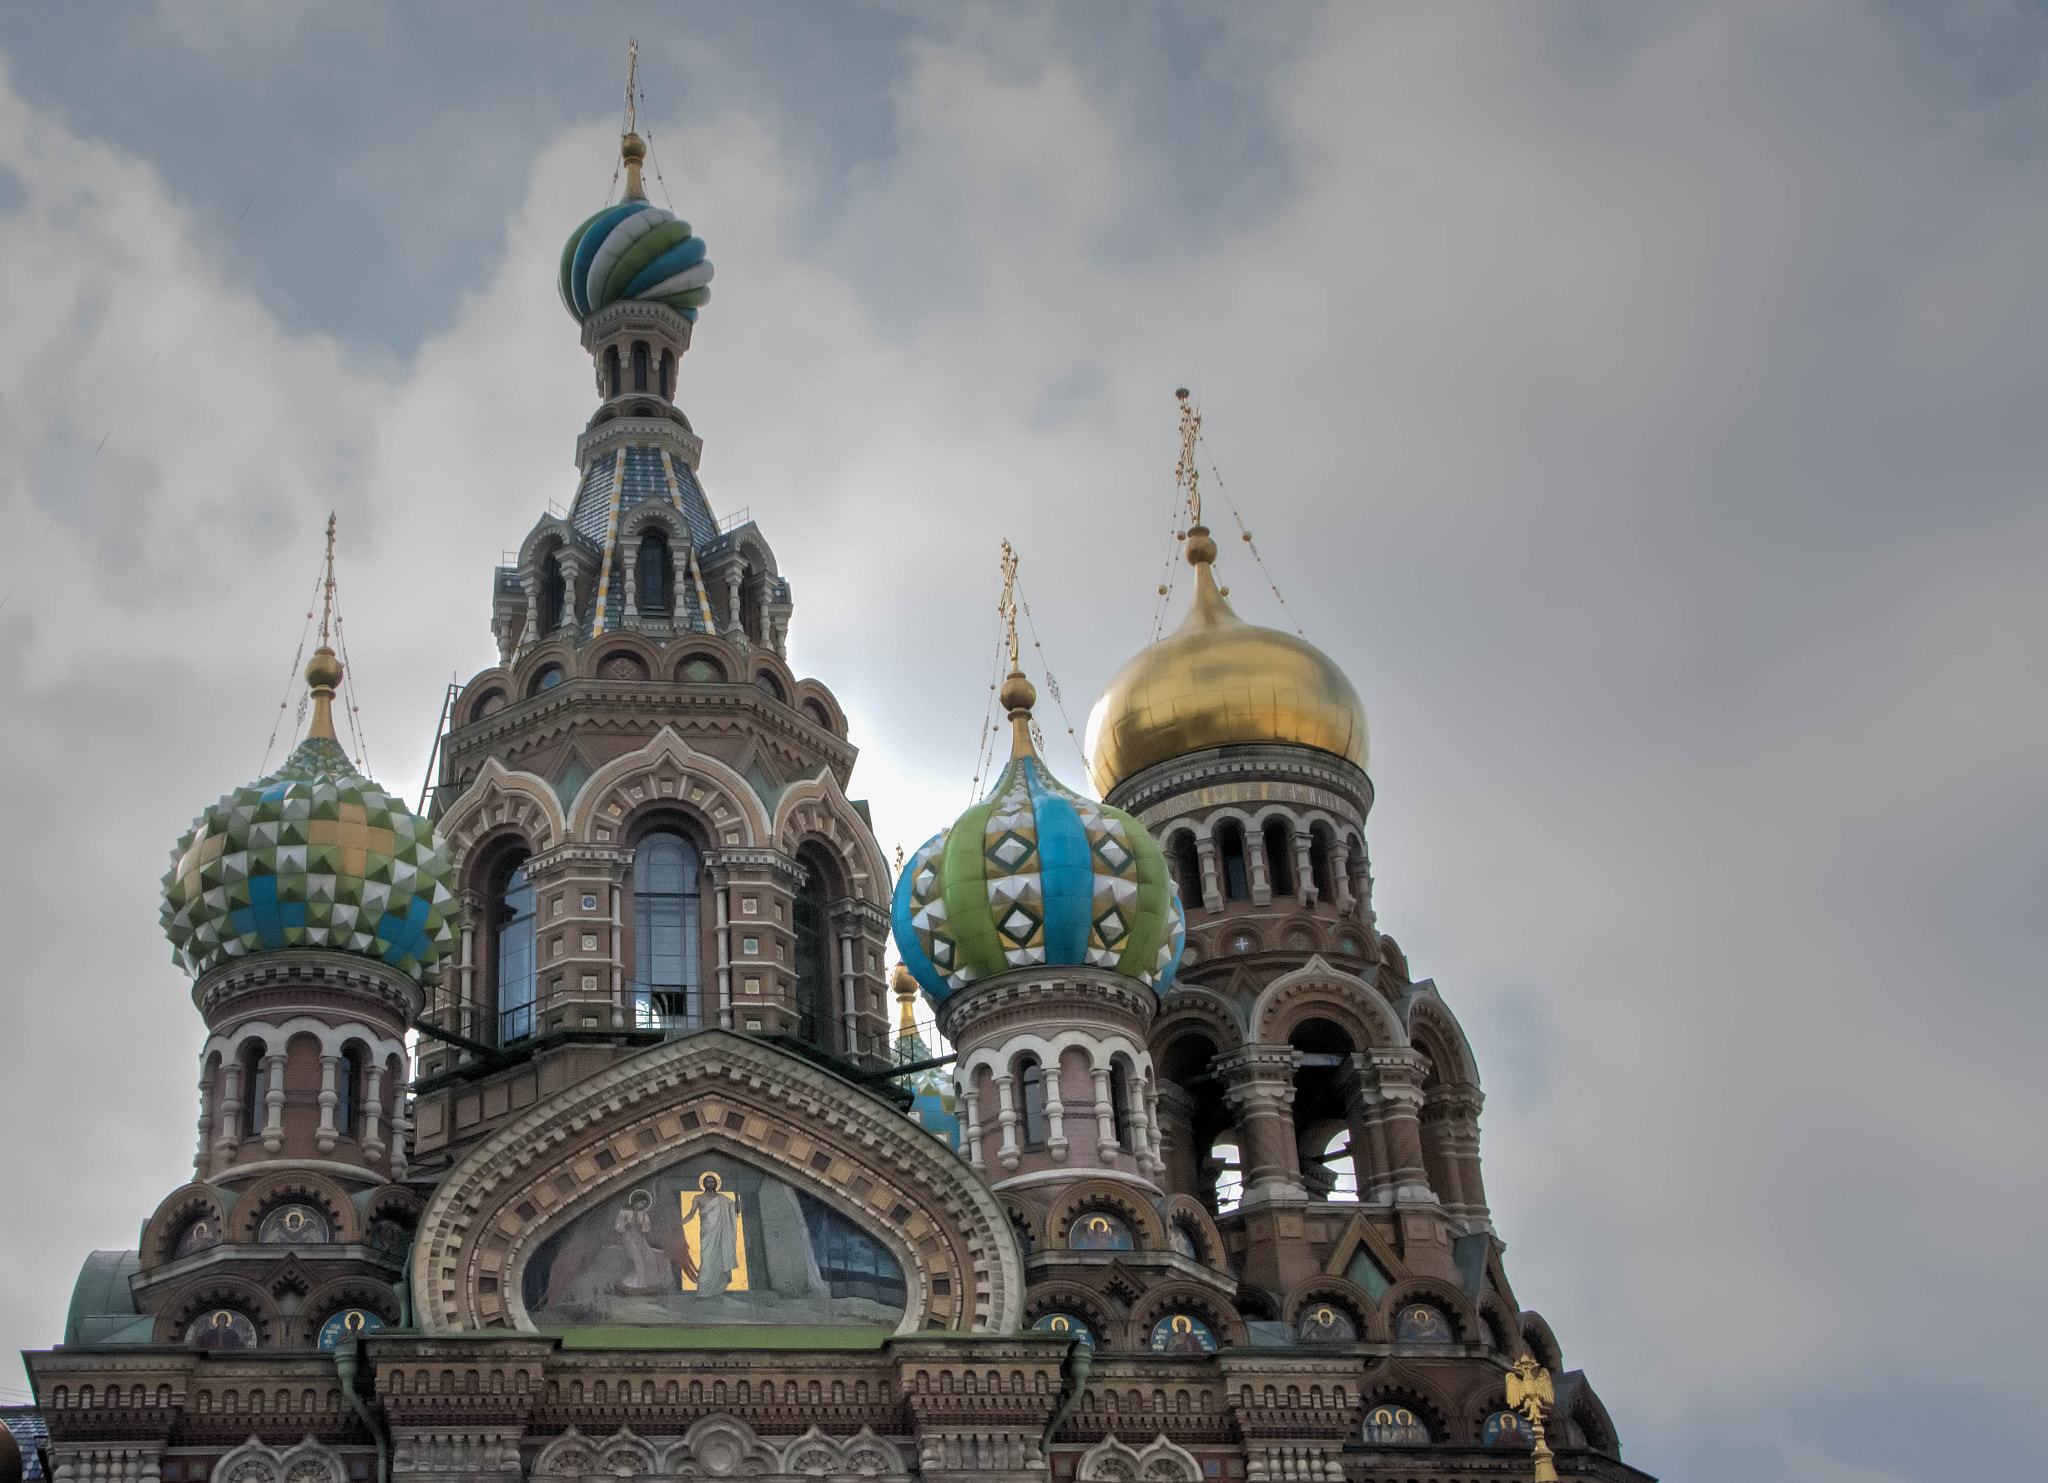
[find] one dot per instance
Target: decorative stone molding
(308, 1462)
(718, 1447)
(715, 1090)
(1160, 1461)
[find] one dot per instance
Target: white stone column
(273, 1102)
(1255, 866)
(228, 1130)
(1105, 1116)
(723, 896)
(1055, 1111)
(373, 1112)
(1340, 873)
(1212, 891)
(531, 636)
(629, 568)
(205, 1121)
(329, 1101)
(1006, 1101)
(847, 994)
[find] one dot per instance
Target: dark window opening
(657, 573)
(1230, 845)
(348, 1084)
(1119, 1103)
(554, 595)
(1319, 866)
(1032, 1076)
(668, 375)
(255, 1090)
(639, 365)
(1279, 841)
(514, 943)
(611, 370)
(1187, 866)
(668, 992)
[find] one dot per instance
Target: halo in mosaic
(315, 855)
(1036, 874)
(634, 250)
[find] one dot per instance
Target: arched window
(1319, 865)
(1031, 1078)
(255, 1090)
(657, 573)
(813, 959)
(1120, 1102)
(611, 370)
(1230, 846)
(668, 375)
(1187, 868)
(1279, 841)
(639, 365)
(348, 1084)
(667, 911)
(554, 595)
(514, 923)
(769, 686)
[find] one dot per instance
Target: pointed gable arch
(716, 1092)
(668, 769)
(502, 798)
(1330, 993)
(1425, 1008)
(816, 808)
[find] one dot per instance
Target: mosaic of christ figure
(717, 1259)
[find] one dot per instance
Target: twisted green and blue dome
(313, 856)
(1036, 875)
(634, 250)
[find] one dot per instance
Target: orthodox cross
(1186, 474)
(632, 67)
(327, 605)
(1007, 603)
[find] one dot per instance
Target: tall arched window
(813, 960)
(668, 992)
(1120, 1102)
(639, 365)
(668, 374)
(514, 955)
(1279, 841)
(1031, 1080)
(1319, 865)
(1237, 883)
(255, 1090)
(611, 370)
(657, 573)
(348, 1090)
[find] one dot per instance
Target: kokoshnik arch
(1200, 1199)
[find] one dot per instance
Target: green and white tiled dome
(314, 855)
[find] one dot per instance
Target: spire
(632, 148)
(323, 670)
(1201, 546)
(1018, 694)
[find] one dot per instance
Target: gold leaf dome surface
(1216, 681)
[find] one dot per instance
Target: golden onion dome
(1218, 681)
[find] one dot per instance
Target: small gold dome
(1216, 681)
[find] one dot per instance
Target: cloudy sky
(1642, 402)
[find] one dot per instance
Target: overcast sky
(1643, 404)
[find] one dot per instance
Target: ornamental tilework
(315, 855)
(1035, 874)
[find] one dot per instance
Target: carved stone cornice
(1039, 996)
(314, 975)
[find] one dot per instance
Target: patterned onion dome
(634, 250)
(314, 855)
(1037, 874)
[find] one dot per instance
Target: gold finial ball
(1017, 693)
(1180, 393)
(1201, 546)
(900, 981)
(632, 149)
(323, 670)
